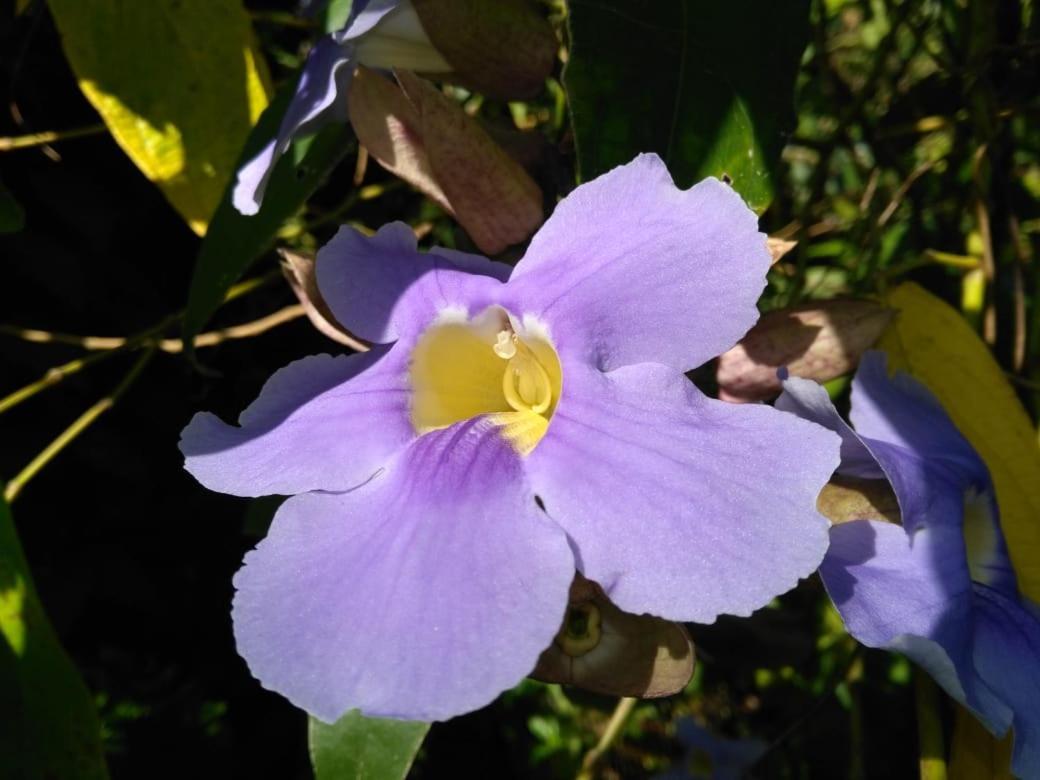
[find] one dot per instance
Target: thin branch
(48, 137)
(146, 338)
(84, 421)
(610, 733)
(172, 345)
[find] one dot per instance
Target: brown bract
(845, 499)
(820, 341)
(419, 134)
(298, 269)
(778, 247)
(502, 48)
(604, 650)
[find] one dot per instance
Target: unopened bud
(424, 137)
(502, 48)
(298, 269)
(820, 341)
(602, 649)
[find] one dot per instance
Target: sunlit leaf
(934, 343)
(356, 747)
(179, 84)
(708, 85)
(234, 241)
(48, 725)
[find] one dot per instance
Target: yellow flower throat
(489, 365)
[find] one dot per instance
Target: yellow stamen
(525, 383)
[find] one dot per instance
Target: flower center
(491, 365)
(525, 384)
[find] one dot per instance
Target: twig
(84, 421)
(1023, 257)
(145, 338)
(56, 374)
(48, 137)
(172, 346)
(900, 193)
(610, 733)
(989, 265)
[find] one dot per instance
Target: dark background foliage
(133, 560)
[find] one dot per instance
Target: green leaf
(12, 216)
(49, 725)
(179, 84)
(336, 14)
(707, 84)
(233, 240)
(357, 747)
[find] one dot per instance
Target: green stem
(84, 421)
(147, 337)
(610, 733)
(932, 743)
(48, 137)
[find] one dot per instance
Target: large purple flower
(939, 588)
(510, 427)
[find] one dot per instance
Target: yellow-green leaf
(179, 84)
(934, 343)
(931, 341)
(48, 725)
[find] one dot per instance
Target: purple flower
(320, 96)
(510, 427)
(504, 49)
(939, 588)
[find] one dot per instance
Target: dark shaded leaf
(707, 85)
(233, 240)
(12, 216)
(50, 727)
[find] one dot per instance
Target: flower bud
(820, 341)
(422, 136)
(298, 269)
(504, 49)
(602, 649)
(400, 41)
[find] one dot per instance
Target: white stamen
(505, 344)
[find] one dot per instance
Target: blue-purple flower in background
(321, 92)
(510, 427)
(504, 49)
(938, 588)
(707, 756)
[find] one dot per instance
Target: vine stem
(48, 137)
(84, 421)
(146, 338)
(932, 745)
(610, 733)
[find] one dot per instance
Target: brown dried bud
(505, 49)
(421, 135)
(298, 269)
(604, 650)
(820, 341)
(778, 247)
